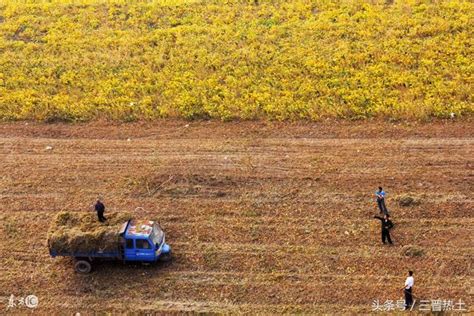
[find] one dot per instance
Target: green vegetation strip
(130, 60)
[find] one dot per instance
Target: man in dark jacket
(386, 226)
(100, 209)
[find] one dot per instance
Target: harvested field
(262, 217)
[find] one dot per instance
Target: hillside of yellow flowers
(235, 59)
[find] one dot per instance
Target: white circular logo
(31, 301)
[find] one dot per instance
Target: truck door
(129, 251)
(143, 250)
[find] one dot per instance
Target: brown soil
(262, 217)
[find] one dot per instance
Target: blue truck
(137, 241)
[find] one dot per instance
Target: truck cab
(144, 241)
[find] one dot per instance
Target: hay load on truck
(82, 237)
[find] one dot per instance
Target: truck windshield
(157, 235)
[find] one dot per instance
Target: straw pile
(406, 201)
(82, 232)
(412, 251)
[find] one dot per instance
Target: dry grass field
(263, 218)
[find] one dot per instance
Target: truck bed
(92, 254)
(77, 233)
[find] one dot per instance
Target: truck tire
(165, 257)
(82, 266)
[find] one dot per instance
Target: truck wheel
(83, 266)
(165, 257)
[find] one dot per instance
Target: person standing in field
(407, 289)
(100, 209)
(386, 226)
(381, 201)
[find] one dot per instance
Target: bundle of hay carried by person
(80, 232)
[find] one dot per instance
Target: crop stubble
(262, 217)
